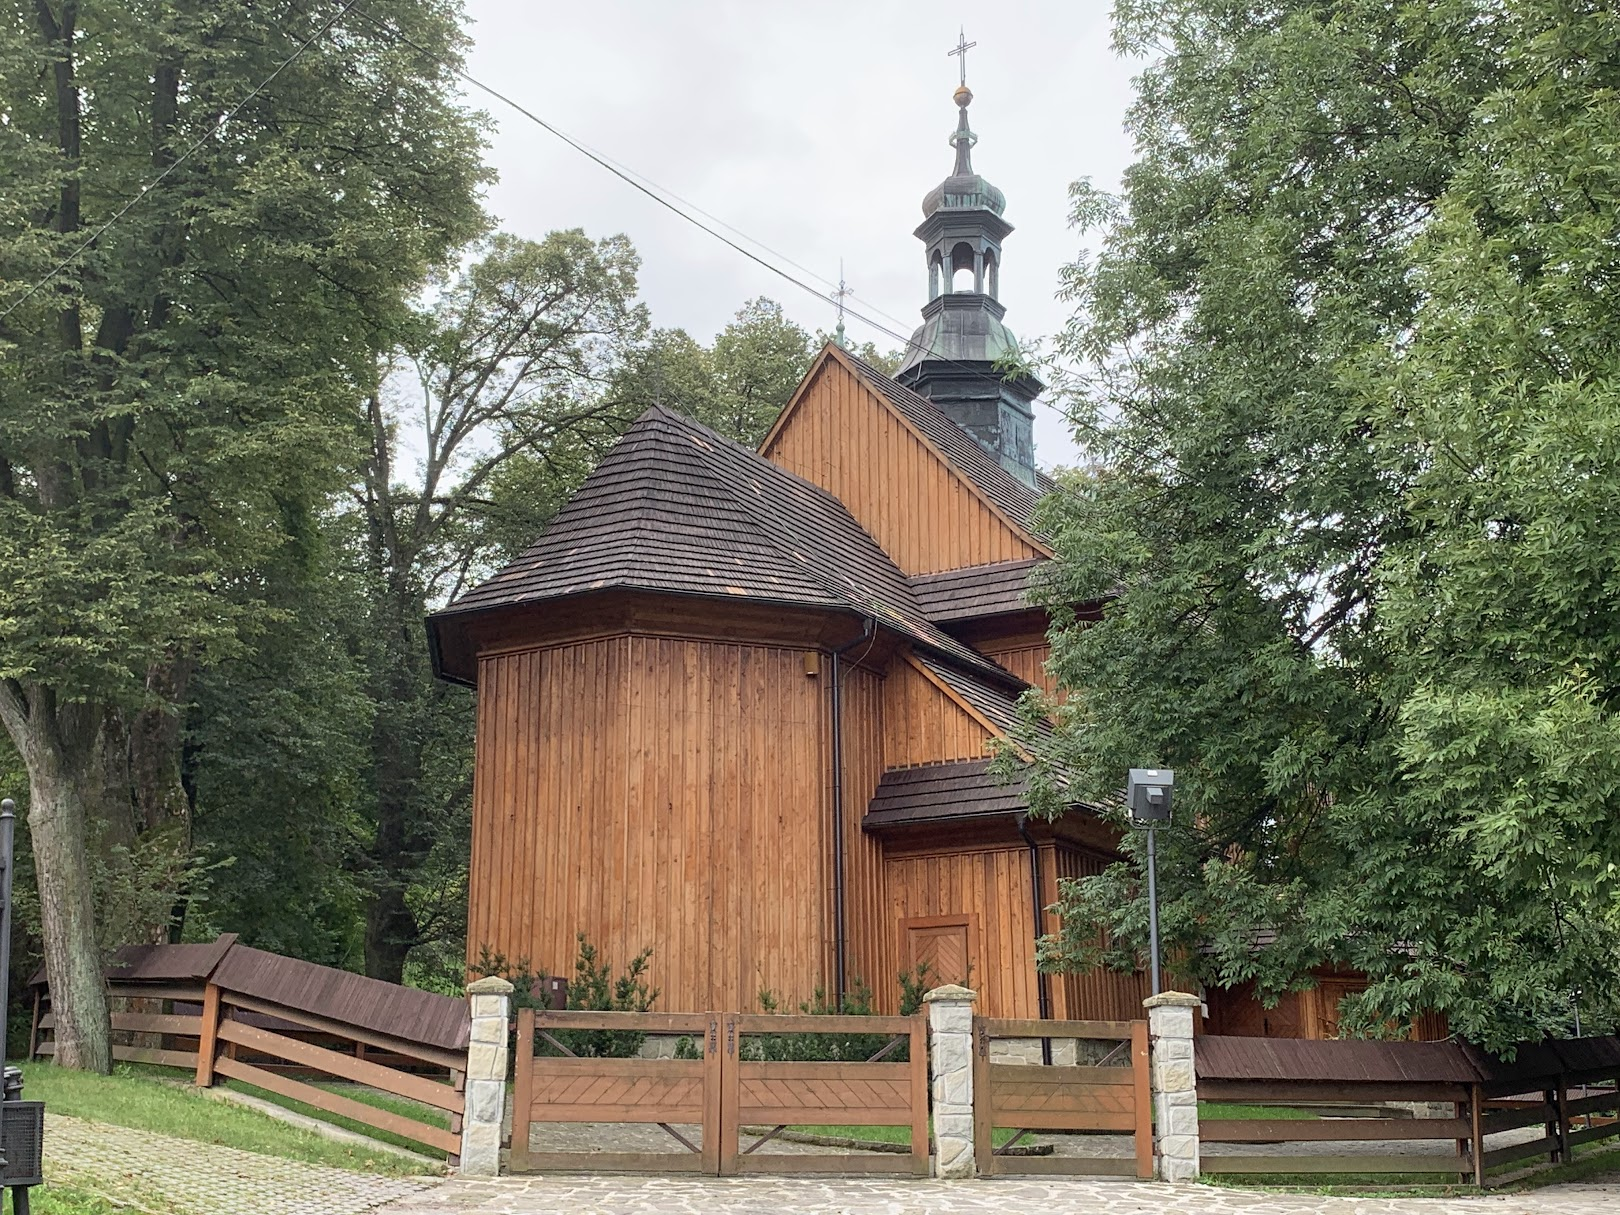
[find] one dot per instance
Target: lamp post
(1148, 795)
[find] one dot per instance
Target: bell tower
(952, 356)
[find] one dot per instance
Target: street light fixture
(1148, 795)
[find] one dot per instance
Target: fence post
(208, 1037)
(950, 1067)
(1175, 1086)
(486, 1077)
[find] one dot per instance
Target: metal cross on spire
(963, 46)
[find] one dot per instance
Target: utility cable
(657, 194)
(181, 159)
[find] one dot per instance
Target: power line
(657, 194)
(181, 159)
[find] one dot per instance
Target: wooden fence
(295, 1029)
(710, 1102)
(1105, 1090)
(1348, 1091)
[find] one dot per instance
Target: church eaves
(679, 509)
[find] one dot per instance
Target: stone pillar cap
(490, 985)
(951, 991)
(1172, 999)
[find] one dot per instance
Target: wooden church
(737, 706)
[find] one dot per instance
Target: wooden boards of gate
(721, 1092)
(844, 1093)
(1061, 1097)
(668, 1092)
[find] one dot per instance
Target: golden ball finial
(963, 95)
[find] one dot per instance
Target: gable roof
(676, 507)
(959, 451)
(975, 590)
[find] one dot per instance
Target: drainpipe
(1043, 988)
(840, 946)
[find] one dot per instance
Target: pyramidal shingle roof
(675, 507)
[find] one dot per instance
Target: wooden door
(943, 943)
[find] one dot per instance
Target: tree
(506, 408)
(1262, 487)
(758, 361)
(737, 386)
(176, 402)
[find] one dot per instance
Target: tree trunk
(57, 828)
(390, 933)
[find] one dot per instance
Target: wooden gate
(778, 1093)
(1104, 1089)
(734, 1079)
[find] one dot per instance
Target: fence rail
(288, 1027)
(1569, 1089)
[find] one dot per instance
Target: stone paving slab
(603, 1195)
(180, 1176)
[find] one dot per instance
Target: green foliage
(737, 386)
(594, 988)
(1348, 405)
(835, 1047)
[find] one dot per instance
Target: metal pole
(1153, 910)
(8, 823)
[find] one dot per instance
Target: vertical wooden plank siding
(645, 791)
(1026, 661)
(991, 886)
(922, 725)
(869, 920)
(847, 440)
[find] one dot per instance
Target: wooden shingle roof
(974, 591)
(940, 791)
(676, 507)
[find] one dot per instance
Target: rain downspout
(840, 945)
(1043, 981)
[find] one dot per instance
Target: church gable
(926, 512)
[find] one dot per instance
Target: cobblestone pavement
(597, 1195)
(159, 1173)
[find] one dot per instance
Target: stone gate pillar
(491, 1000)
(1175, 1087)
(950, 1076)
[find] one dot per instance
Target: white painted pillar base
(950, 1077)
(491, 1000)
(1175, 1085)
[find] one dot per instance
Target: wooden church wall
(655, 792)
(922, 725)
(989, 890)
(844, 439)
(869, 920)
(1025, 658)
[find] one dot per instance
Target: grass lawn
(133, 1097)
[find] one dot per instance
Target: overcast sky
(814, 128)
